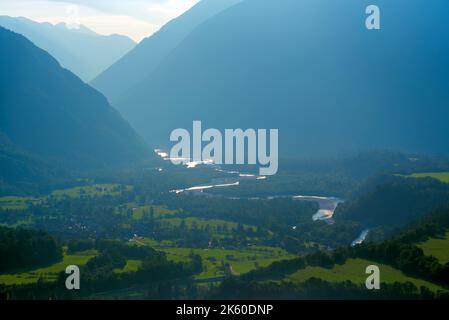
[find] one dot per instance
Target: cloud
(154, 11)
(134, 18)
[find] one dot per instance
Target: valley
(223, 236)
(96, 172)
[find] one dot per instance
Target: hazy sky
(134, 18)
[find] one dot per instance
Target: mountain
(82, 51)
(311, 69)
(48, 113)
(145, 57)
(20, 169)
(393, 201)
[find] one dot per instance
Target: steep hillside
(81, 50)
(147, 55)
(311, 69)
(47, 111)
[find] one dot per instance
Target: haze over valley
(87, 177)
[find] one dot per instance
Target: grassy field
(240, 261)
(47, 273)
(158, 245)
(439, 248)
(159, 211)
(441, 176)
(20, 223)
(96, 190)
(131, 266)
(215, 225)
(354, 270)
(17, 203)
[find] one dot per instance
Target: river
(360, 238)
(327, 205)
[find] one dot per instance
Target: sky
(136, 19)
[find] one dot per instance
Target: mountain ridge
(48, 112)
(311, 70)
(145, 57)
(81, 50)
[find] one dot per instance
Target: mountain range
(146, 56)
(48, 115)
(309, 68)
(80, 50)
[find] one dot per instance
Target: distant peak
(74, 27)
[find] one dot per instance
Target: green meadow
(441, 176)
(215, 225)
(437, 247)
(96, 190)
(17, 203)
(216, 262)
(48, 273)
(158, 211)
(131, 266)
(158, 245)
(354, 271)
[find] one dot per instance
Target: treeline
(81, 217)
(328, 183)
(270, 283)
(21, 249)
(278, 270)
(392, 200)
(114, 254)
(99, 276)
(406, 257)
(366, 164)
(197, 235)
(314, 288)
(310, 236)
(400, 252)
(289, 221)
(267, 213)
(102, 245)
(156, 274)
